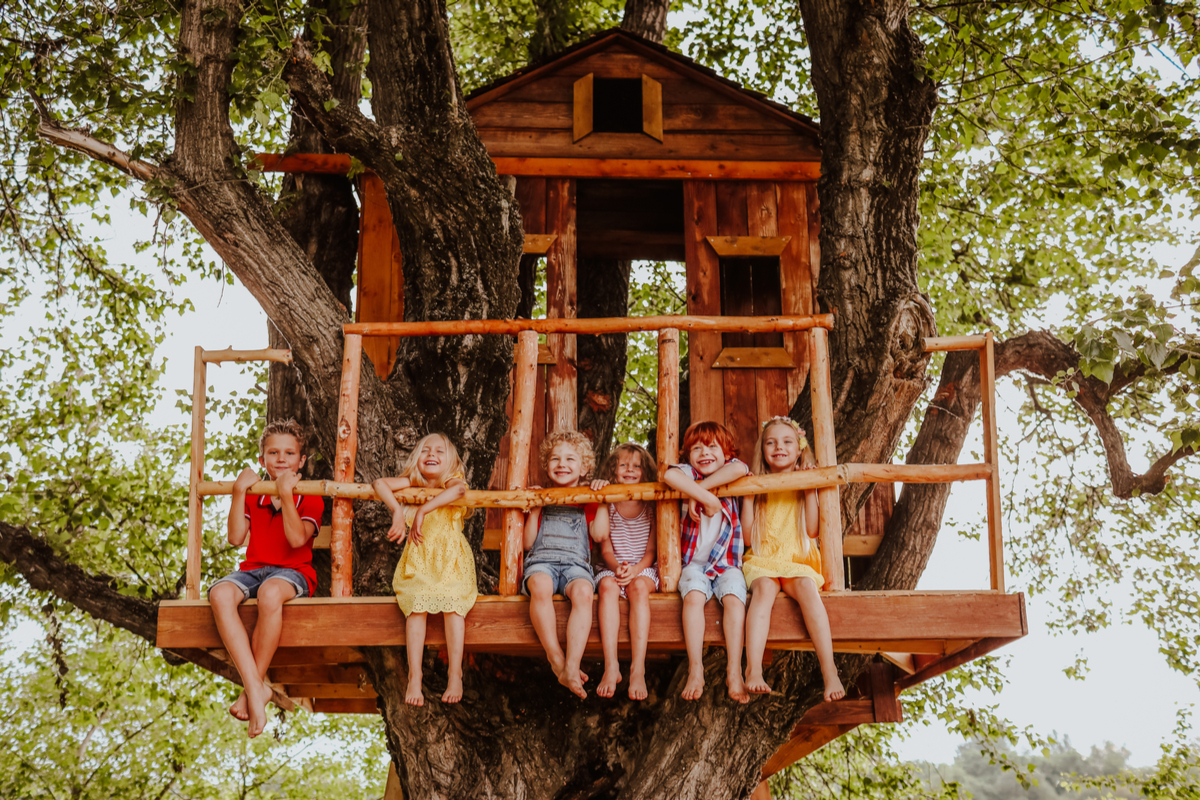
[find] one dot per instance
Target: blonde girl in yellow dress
(782, 527)
(436, 573)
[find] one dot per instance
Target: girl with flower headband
(782, 527)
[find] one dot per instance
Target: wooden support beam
(885, 705)
(938, 344)
(754, 358)
(242, 356)
(991, 452)
(667, 450)
(520, 433)
(745, 246)
(345, 706)
(861, 622)
(703, 297)
(807, 740)
(331, 691)
(969, 653)
(195, 532)
(538, 243)
(561, 303)
(340, 547)
(593, 326)
(821, 477)
(318, 673)
(825, 449)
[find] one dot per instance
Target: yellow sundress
(437, 575)
(782, 555)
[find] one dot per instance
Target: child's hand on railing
(245, 479)
(598, 484)
(397, 532)
(286, 481)
(807, 459)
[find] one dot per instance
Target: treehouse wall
(687, 113)
(744, 396)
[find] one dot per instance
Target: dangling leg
(804, 591)
(734, 622)
(579, 624)
(225, 599)
(273, 593)
(414, 638)
(456, 627)
(638, 591)
(693, 639)
(541, 613)
(610, 622)
(758, 625)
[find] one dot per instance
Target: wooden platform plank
(890, 621)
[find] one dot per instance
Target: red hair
(709, 433)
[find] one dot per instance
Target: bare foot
(414, 696)
(454, 690)
(737, 689)
(573, 680)
(257, 697)
(755, 684)
(695, 683)
(637, 685)
(608, 682)
(834, 690)
(238, 709)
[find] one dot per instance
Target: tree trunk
(603, 291)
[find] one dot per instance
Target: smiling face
(281, 453)
(629, 467)
(564, 466)
(432, 458)
(706, 457)
(781, 447)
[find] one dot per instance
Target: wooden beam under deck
(931, 622)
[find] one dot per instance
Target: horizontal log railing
(516, 499)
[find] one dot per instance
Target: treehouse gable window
(617, 105)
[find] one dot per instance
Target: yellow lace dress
(782, 555)
(437, 575)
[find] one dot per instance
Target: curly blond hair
(581, 443)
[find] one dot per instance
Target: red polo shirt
(269, 546)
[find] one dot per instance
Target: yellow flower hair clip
(803, 440)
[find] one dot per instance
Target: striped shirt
(629, 536)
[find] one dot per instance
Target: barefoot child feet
(628, 545)
(436, 573)
(710, 551)
(557, 558)
(278, 565)
(782, 527)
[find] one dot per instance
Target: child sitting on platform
(626, 532)
(557, 558)
(711, 551)
(436, 573)
(278, 564)
(782, 528)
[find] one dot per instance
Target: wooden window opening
(617, 105)
(751, 287)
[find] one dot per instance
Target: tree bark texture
(876, 107)
(646, 18)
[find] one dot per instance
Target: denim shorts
(249, 581)
(731, 581)
(561, 574)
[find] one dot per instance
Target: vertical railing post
(195, 475)
(520, 436)
(341, 550)
(991, 453)
(825, 447)
(667, 450)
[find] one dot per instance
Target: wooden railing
(516, 499)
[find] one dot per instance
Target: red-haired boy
(711, 551)
(278, 564)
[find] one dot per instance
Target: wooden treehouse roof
(917, 634)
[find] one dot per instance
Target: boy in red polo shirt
(278, 564)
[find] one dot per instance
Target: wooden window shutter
(652, 112)
(582, 117)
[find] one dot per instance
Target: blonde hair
(758, 466)
(609, 471)
(581, 443)
(453, 468)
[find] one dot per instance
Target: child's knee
(579, 591)
(609, 587)
(638, 589)
(225, 595)
(694, 599)
(540, 586)
(274, 593)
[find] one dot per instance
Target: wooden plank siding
(703, 297)
(541, 118)
(380, 275)
(737, 385)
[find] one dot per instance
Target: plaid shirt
(729, 547)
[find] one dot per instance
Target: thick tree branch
(646, 18)
(97, 595)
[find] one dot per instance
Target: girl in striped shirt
(627, 539)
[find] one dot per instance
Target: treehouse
(622, 149)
